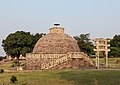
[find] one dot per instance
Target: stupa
(56, 42)
(57, 50)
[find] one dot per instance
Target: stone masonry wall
(34, 61)
(76, 61)
(56, 30)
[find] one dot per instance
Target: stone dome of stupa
(56, 42)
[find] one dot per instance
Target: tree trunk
(18, 59)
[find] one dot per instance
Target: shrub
(13, 65)
(13, 79)
(23, 64)
(16, 63)
(1, 58)
(1, 71)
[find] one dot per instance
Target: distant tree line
(86, 45)
(21, 42)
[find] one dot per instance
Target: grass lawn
(63, 77)
(111, 61)
(66, 77)
(6, 66)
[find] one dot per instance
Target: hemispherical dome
(56, 42)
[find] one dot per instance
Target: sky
(100, 18)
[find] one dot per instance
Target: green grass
(111, 61)
(92, 77)
(63, 77)
(35, 78)
(5, 66)
(76, 77)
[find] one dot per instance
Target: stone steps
(87, 58)
(58, 61)
(66, 58)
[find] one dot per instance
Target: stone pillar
(101, 45)
(97, 60)
(106, 59)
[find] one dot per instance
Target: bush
(23, 64)
(13, 65)
(1, 71)
(1, 58)
(13, 79)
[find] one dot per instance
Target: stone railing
(87, 58)
(65, 58)
(56, 62)
(50, 61)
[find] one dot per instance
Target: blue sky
(100, 18)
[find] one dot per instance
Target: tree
(20, 43)
(114, 51)
(37, 36)
(115, 42)
(85, 43)
(115, 46)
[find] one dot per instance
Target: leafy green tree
(20, 43)
(85, 43)
(115, 42)
(115, 46)
(114, 51)
(37, 36)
